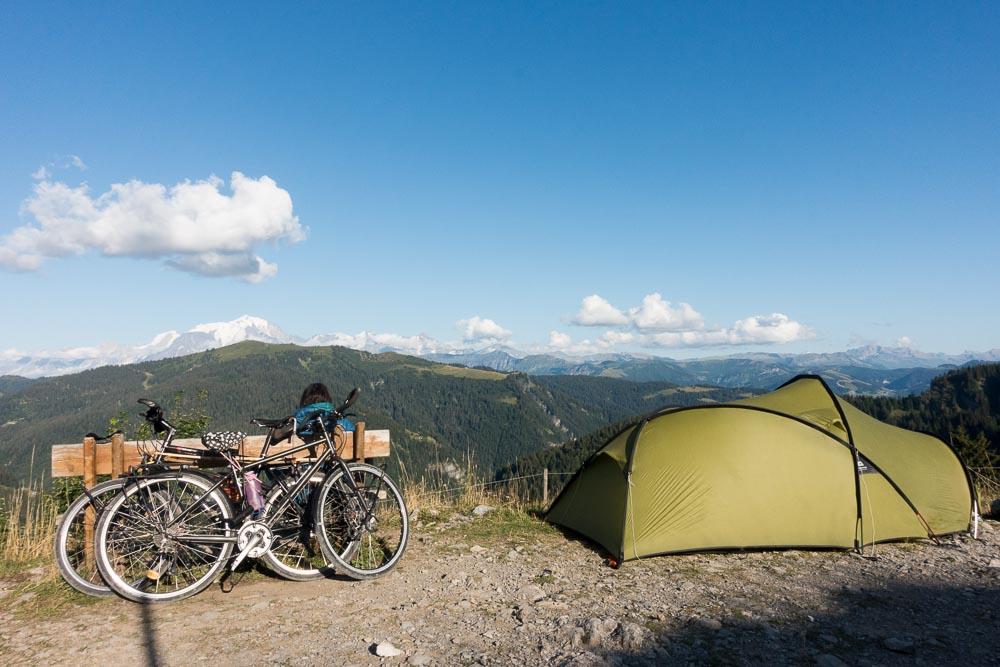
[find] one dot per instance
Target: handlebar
(154, 415)
(353, 396)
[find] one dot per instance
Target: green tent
(797, 467)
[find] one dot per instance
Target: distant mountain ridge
(870, 369)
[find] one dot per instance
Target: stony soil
(506, 590)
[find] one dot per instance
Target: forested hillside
(436, 412)
(11, 384)
(962, 404)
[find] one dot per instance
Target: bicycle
(77, 567)
(168, 535)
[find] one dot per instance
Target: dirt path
(483, 591)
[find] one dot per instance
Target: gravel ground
(503, 590)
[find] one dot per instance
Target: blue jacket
(306, 415)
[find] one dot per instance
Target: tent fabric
(797, 467)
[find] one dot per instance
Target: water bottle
(252, 491)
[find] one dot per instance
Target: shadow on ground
(894, 624)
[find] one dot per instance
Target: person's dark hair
(315, 393)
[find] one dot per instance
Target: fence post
(545, 487)
(89, 480)
(359, 442)
(117, 455)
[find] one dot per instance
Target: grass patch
(544, 578)
(457, 371)
(45, 598)
(504, 525)
(694, 389)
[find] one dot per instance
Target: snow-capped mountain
(219, 334)
(162, 346)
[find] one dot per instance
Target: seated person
(316, 402)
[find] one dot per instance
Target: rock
(708, 624)
(897, 645)
(994, 563)
(482, 510)
(828, 660)
(418, 659)
(386, 650)
(476, 549)
(633, 636)
(596, 630)
(586, 659)
(531, 593)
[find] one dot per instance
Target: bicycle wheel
(295, 552)
(361, 521)
(74, 556)
(164, 538)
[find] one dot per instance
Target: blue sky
(836, 165)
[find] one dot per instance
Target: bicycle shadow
(149, 642)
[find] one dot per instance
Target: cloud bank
(195, 227)
(658, 323)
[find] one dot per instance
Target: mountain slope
(436, 412)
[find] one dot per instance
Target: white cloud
(659, 315)
(192, 226)
(75, 161)
(773, 328)
(482, 329)
(596, 311)
(41, 173)
(905, 341)
(755, 330)
(613, 338)
(559, 340)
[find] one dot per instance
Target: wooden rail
(90, 459)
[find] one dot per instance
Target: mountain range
(871, 369)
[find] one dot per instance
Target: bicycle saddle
(222, 441)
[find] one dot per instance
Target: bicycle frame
(236, 468)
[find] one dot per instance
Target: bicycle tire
(295, 553)
(69, 543)
(377, 545)
(126, 543)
